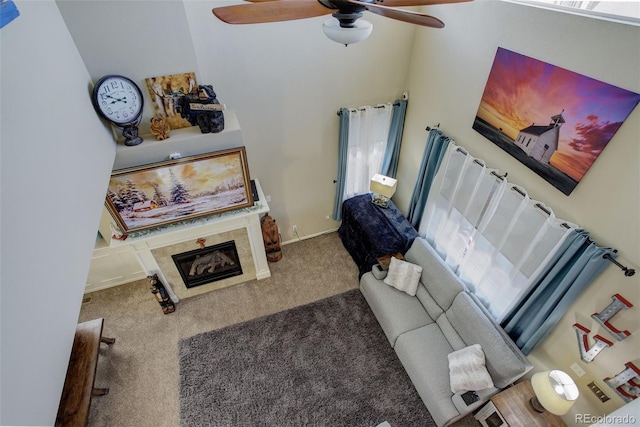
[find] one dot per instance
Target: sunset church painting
(555, 121)
(541, 142)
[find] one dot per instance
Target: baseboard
(263, 275)
(93, 288)
(310, 236)
(112, 284)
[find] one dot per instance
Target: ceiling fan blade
(391, 3)
(263, 1)
(397, 3)
(401, 14)
(270, 11)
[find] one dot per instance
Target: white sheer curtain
(368, 134)
(488, 231)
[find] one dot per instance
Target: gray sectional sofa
(440, 319)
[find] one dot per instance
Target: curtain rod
(628, 272)
(428, 128)
(395, 104)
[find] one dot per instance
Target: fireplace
(208, 264)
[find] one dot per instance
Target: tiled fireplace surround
(154, 249)
(168, 267)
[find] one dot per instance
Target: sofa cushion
(450, 333)
(441, 283)
(423, 353)
(403, 276)
(396, 311)
(467, 370)
(504, 361)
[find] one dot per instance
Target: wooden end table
(78, 389)
(385, 260)
(511, 407)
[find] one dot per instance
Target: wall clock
(119, 100)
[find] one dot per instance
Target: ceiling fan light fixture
(360, 31)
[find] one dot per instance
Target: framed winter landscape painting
(555, 121)
(154, 195)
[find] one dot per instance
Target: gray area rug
(327, 363)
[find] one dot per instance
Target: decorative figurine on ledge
(116, 233)
(271, 238)
(161, 294)
(159, 127)
(203, 109)
(130, 134)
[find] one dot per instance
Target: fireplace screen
(206, 265)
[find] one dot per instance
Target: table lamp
(382, 188)
(555, 391)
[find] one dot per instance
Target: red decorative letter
(619, 303)
(626, 383)
(587, 354)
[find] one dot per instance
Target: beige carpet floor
(141, 368)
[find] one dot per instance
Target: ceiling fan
(346, 28)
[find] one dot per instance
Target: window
(493, 236)
(627, 11)
(368, 135)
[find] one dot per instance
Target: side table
(368, 231)
(511, 407)
(385, 260)
(381, 269)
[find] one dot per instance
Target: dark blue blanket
(369, 231)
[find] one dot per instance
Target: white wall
(286, 82)
(137, 39)
(55, 161)
(447, 76)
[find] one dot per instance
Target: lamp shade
(555, 391)
(345, 36)
(383, 185)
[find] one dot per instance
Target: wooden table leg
(99, 392)
(107, 341)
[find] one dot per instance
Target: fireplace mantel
(248, 219)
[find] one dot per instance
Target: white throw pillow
(467, 370)
(403, 276)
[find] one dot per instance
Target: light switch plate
(577, 369)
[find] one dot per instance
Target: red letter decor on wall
(626, 383)
(603, 318)
(587, 354)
